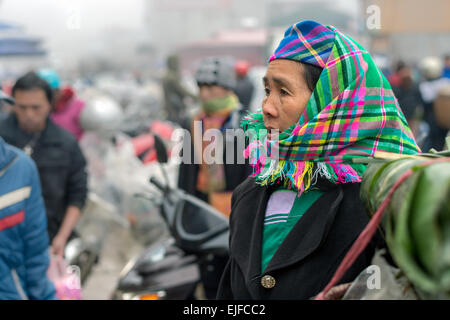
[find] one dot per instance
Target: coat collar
(305, 237)
(310, 231)
(49, 135)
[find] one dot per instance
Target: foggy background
(81, 37)
(73, 31)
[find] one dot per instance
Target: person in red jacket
(67, 107)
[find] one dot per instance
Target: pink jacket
(68, 118)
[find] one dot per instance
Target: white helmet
(102, 115)
(431, 68)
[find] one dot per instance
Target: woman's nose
(269, 107)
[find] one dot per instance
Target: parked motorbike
(170, 268)
(84, 248)
(83, 254)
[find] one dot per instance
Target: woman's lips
(272, 132)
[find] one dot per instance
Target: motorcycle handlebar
(157, 184)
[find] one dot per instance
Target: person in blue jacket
(24, 243)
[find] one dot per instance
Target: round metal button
(268, 282)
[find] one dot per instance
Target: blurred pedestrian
(174, 91)
(5, 104)
(221, 110)
(24, 255)
(408, 95)
(395, 78)
(213, 181)
(432, 68)
(66, 106)
(244, 87)
(58, 157)
(446, 72)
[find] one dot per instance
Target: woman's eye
(283, 92)
(267, 91)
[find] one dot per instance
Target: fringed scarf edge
(298, 175)
(302, 175)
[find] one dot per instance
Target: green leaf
(417, 221)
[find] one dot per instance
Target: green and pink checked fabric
(352, 113)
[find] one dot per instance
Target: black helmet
(216, 71)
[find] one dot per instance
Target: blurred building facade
(19, 51)
(247, 29)
(178, 22)
(410, 29)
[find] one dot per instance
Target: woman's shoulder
(248, 186)
(352, 192)
(246, 198)
(352, 208)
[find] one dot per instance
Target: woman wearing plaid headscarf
(326, 105)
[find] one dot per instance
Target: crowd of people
(291, 219)
(417, 95)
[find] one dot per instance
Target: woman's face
(286, 96)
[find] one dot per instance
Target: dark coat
(409, 100)
(244, 91)
(235, 172)
(61, 166)
(307, 259)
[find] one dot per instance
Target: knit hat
(307, 42)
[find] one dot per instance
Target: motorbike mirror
(161, 151)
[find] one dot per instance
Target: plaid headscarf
(352, 113)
